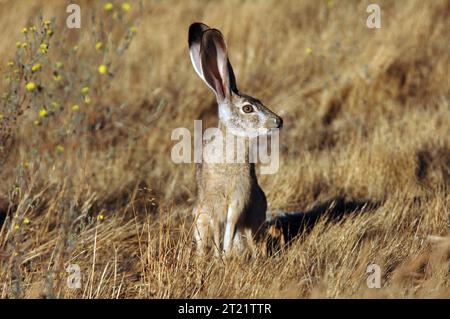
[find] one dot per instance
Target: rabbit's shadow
(282, 228)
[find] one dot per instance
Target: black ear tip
(196, 30)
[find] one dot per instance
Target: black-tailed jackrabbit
(228, 193)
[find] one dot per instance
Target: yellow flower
(100, 217)
(26, 164)
(47, 22)
(18, 44)
(30, 86)
(133, 29)
(24, 45)
(49, 32)
(36, 122)
(10, 63)
(33, 28)
(36, 67)
(58, 65)
(84, 89)
(308, 50)
(57, 77)
(26, 221)
(87, 99)
(108, 6)
(24, 30)
(75, 107)
(126, 6)
(99, 45)
(59, 149)
(16, 227)
(102, 69)
(42, 112)
(43, 48)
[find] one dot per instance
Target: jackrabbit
(228, 193)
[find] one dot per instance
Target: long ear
(195, 39)
(217, 70)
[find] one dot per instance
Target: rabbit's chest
(227, 183)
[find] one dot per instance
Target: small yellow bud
(126, 7)
(99, 45)
(75, 107)
(26, 221)
(42, 112)
(102, 69)
(36, 67)
(59, 149)
(30, 86)
(87, 99)
(24, 30)
(133, 29)
(43, 48)
(85, 89)
(108, 6)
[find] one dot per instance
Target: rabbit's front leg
(230, 228)
(201, 231)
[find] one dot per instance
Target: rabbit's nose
(274, 122)
(278, 122)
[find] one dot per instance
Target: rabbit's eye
(247, 108)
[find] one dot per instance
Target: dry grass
(366, 116)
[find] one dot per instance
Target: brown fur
(222, 185)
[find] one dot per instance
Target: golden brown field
(86, 173)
